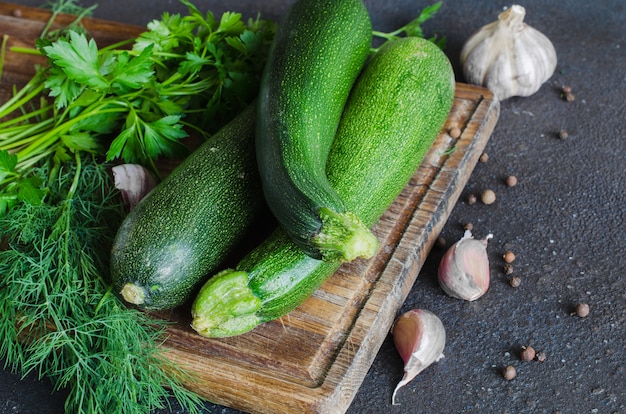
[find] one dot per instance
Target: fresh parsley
(414, 27)
(135, 101)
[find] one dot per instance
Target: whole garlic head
(508, 57)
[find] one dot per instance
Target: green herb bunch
(58, 317)
(134, 100)
(86, 108)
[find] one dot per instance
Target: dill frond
(58, 317)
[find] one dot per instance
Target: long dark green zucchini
(397, 108)
(317, 53)
(188, 224)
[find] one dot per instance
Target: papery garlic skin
(419, 337)
(133, 181)
(508, 57)
(464, 269)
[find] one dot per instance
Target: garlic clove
(419, 337)
(464, 269)
(134, 182)
(508, 57)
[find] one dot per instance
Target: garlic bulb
(508, 57)
(419, 337)
(464, 269)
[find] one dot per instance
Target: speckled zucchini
(397, 108)
(318, 52)
(187, 225)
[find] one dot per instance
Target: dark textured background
(564, 220)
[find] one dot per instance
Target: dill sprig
(68, 7)
(58, 317)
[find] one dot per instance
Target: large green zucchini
(317, 54)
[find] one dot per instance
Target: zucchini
(189, 223)
(317, 53)
(397, 108)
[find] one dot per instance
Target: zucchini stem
(133, 294)
(344, 237)
(225, 306)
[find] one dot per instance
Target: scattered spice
(567, 94)
(563, 134)
(454, 132)
(508, 269)
(471, 199)
(515, 281)
(527, 353)
(509, 372)
(511, 181)
(508, 256)
(582, 310)
(484, 157)
(541, 356)
(488, 197)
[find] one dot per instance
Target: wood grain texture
(314, 359)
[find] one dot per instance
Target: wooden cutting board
(314, 359)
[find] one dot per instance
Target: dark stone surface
(564, 220)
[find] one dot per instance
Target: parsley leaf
(143, 141)
(162, 137)
(7, 164)
(30, 190)
(132, 74)
(231, 23)
(64, 89)
(414, 28)
(80, 141)
(78, 58)
(193, 63)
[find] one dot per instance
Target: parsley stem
(387, 36)
(30, 162)
(22, 97)
(115, 46)
(3, 47)
(24, 135)
(76, 179)
(7, 126)
(25, 50)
